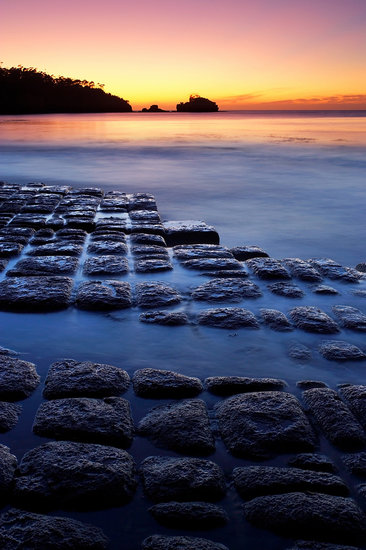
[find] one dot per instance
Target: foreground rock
(337, 350)
(350, 317)
(189, 515)
(253, 481)
(35, 293)
(156, 383)
(355, 396)
(106, 265)
(160, 542)
(75, 475)
(44, 265)
(335, 419)
(313, 319)
(182, 427)
(104, 295)
(8, 465)
(228, 317)
(197, 251)
(156, 294)
(259, 424)
(288, 290)
(268, 268)
(19, 529)
(230, 385)
(276, 320)
(9, 415)
(107, 421)
(310, 461)
(228, 289)
(18, 378)
(333, 270)
(311, 545)
(189, 232)
(70, 378)
(309, 515)
(243, 253)
(303, 270)
(182, 479)
(176, 318)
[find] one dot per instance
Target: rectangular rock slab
(103, 295)
(44, 265)
(189, 232)
(35, 293)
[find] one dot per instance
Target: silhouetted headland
(28, 91)
(197, 104)
(153, 109)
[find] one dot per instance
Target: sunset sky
(243, 54)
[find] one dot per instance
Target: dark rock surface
(309, 384)
(9, 414)
(268, 268)
(106, 265)
(325, 289)
(355, 463)
(230, 385)
(302, 270)
(156, 294)
(146, 238)
(152, 265)
(183, 479)
(226, 274)
(103, 295)
(156, 383)
(107, 421)
(310, 461)
(70, 378)
(337, 350)
(18, 378)
(313, 319)
(25, 530)
(74, 475)
(35, 293)
(9, 249)
(350, 317)
(8, 465)
(228, 317)
(276, 320)
(197, 251)
(309, 515)
(311, 545)
(3, 264)
(99, 248)
(161, 542)
(164, 318)
(253, 481)
(334, 418)
(189, 515)
(183, 427)
(288, 290)
(355, 396)
(44, 265)
(243, 253)
(189, 232)
(259, 424)
(147, 251)
(208, 264)
(63, 248)
(228, 289)
(333, 270)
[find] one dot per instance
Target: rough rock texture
(325, 289)
(197, 251)
(208, 264)
(106, 265)
(350, 317)
(44, 265)
(107, 421)
(76, 475)
(70, 378)
(9, 414)
(149, 251)
(259, 424)
(156, 294)
(309, 384)
(228, 289)
(19, 529)
(57, 248)
(182, 427)
(355, 396)
(106, 248)
(104, 295)
(160, 542)
(356, 463)
(309, 461)
(299, 352)
(9, 249)
(156, 383)
(311, 545)
(189, 515)
(176, 318)
(230, 385)
(338, 350)
(243, 253)
(288, 290)
(333, 270)
(313, 319)
(152, 265)
(276, 320)
(253, 481)
(268, 268)
(183, 479)
(309, 515)
(8, 465)
(18, 378)
(228, 317)
(302, 270)
(335, 419)
(189, 232)
(35, 293)
(146, 238)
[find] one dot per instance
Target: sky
(243, 54)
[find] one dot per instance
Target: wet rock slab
(182, 427)
(333, 270)
(107, 248)
(9, 249)
(229, 317)
(355, 463)
(152, 265)
(355, 396)
(309, 515)
(230, 385)
(335, 419)
(156, 294)
(276, 320)
(8, 465)
(350, 317)
(9, 415)
(161, 542)
(63, 474)
(44, 265)
(20, 529)
(70, 378)
(164, 318)
(189, 232)
(103, 295)
(338, 350)
(57, 249)
(156, 383)
(182, 479)
(149, 251)
(313, 319)
(254, 481)
(325, 290)
(189, 515)
(311, 545)
(197, 251)
(228, 289)
(106, 265)
(35, 293)
(208, 264)
(311, 461)
(106, 421)
(287, 290)
(260, 424)
(146, 238)
(243, 253)
(268, 268)
(303, 270)
(18, 378)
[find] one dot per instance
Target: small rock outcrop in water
(160, 542)
(158, 383)
(153, 109)
(197, 104)
(189, 515)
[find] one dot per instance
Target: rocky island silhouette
(197, 104)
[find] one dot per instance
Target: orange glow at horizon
(245, 54)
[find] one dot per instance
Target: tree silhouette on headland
(197, 104)
(28, 91)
